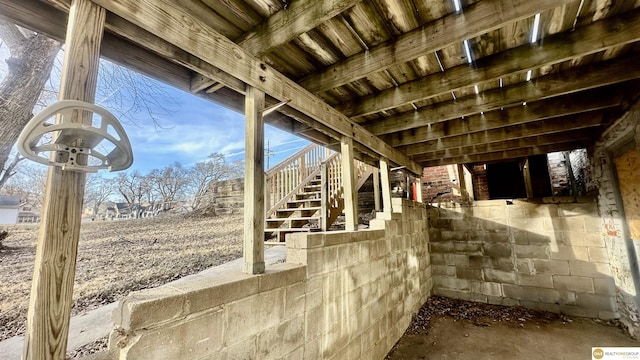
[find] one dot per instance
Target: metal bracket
(57, 137)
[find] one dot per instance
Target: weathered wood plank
(253, 250)
(350, 193)
(506, 155)
(587, 40)
(170, 21)
(200, 82)
(580, 79)
(585, 101)
(386, 186)
(543, 127)
(511, 144)
(477, 19)
(55, 264)
(285, 25)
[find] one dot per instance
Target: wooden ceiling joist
(548, 86)
(512, 144)
(507, 154)
(586, 101)
(287, 24)
(543, 127)
(586, 40)
(477, 19)
(164, 18)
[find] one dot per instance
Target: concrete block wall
(341, 295)
(363, 287)
(546, 256)
(623, 251)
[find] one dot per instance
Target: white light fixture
(475, 87)
(529, 75)
(467, 50)
(536, 28)
(457, 5)
(524, 103)
(501, 83)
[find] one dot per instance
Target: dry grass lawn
(117, 257)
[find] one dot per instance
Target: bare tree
(28, 183)
(97, 191)
(33, 61)
(205, 173)
(170, 183)
(28, 68)
(133, 187)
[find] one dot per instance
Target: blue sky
(194, 129)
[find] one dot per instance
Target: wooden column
(376, 189)
(527, 179)
(349, 184)
(464, 193)
(55, 264)
(254, 182)
(386, 186)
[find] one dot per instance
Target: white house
(9, 206)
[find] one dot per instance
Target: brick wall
(480, 182)
(622, 250)
(543, 256)
(442, 184)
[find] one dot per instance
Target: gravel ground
(117, 257)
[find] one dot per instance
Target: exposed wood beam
(52, 290)
(598, 36)
(589, 100)
(507, 155)
(215, 87)
(579, 79)
(511, 144)
(285, 25)
(253, 250)
(477, 19)
(200, 82)
(542, 127)
(387, 206)
(350, 192)
(178, 26)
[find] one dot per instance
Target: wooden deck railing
(287, 178)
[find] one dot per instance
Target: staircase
(304, 192)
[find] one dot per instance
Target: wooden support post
(464, 194)
(55, 264)
(324, 196)
(527, 179)
(376, 189)
(386, 186)
(253, 253)
(349, 185)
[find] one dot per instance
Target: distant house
(9, 207)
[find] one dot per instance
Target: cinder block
(535, 225)
(589, 269)
(447, 270)
(525, 266)
(486, 288)
(598, 254)
(567, 224)
(563, 252)
(453, 294)
(281, 275)
(542, 281)
(608, 315)
(573, 283)
(503, 264)
(278, 341)
(199, 336)
(469, 273)
(582, 238)
(333, 238)
(505, 277)
(468, 248)
(489, 236)
(551, 267)
(497, 250)
(477, 261)
(348, 254)
(441, 247)
(597, 302)
(527, 293)
(578, 311)
(305, 240)
(456, 259)
(451, 283)
(532, 251)
(295, 296)
(604, 286)
(437, 259)
(240, 326)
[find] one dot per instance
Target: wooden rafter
(203, 42)
(586, 40)
(535, 111)
(579, 79)
(479, 18)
